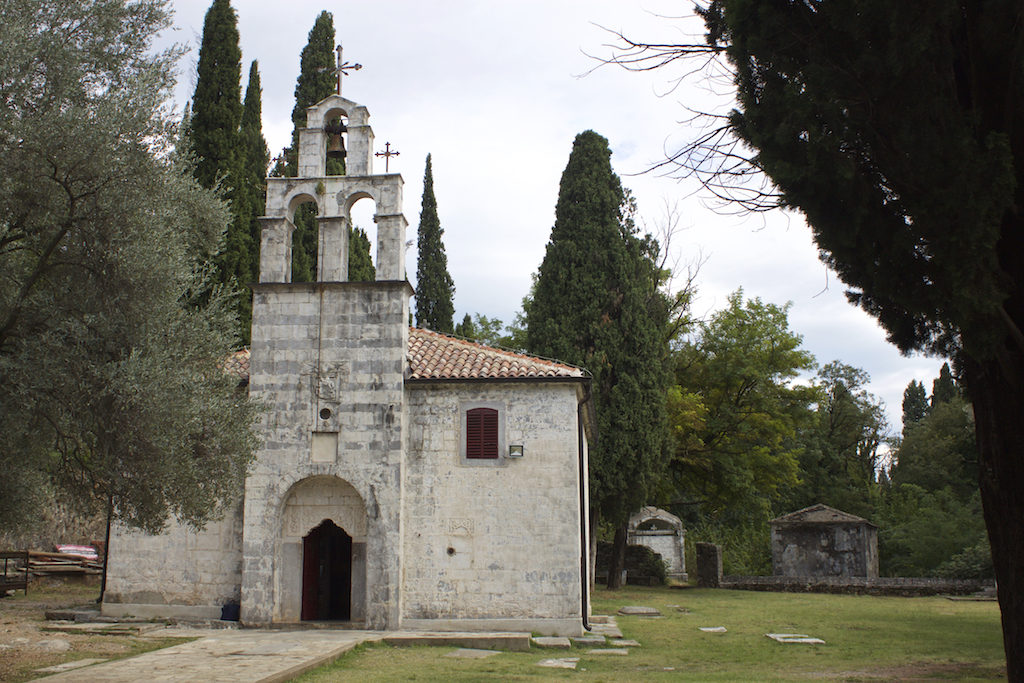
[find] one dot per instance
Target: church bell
(335, 143)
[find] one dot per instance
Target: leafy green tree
(314, 83)
(112, 381)
(487, 331)
(940, 451)
(360, 265)
(434, 286)
(923, 533)
(597, 304)
(915, 404)
(840, 458)
(943, 388)
(735, 414)
(897, 129)
(217, 102)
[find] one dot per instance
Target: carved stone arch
(348, 198)
(302, 194)
(308, 502)
(662, 532)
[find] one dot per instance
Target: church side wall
(178, 573)
(494, 544)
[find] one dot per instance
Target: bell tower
(327, 361)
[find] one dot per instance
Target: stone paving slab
(588, 640)
(69, 666)
(228, 656)
(260, 655)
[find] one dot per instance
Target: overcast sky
(495, 92)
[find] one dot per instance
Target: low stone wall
(855, 585)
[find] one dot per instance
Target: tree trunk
(617, 562)
(106, 548)
(593, 548)
(996, 388)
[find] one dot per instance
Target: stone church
(407, 479)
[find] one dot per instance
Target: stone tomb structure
(662, 532)
(406, 479)
(822, 541)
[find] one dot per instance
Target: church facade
(407, 479)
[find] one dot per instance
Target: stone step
(515, 642)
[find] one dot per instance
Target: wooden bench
(14, 576)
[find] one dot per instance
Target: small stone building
(662, 532)
(406, 479)
(823, 541)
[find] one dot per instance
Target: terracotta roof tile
(238, 364)
(438, 356)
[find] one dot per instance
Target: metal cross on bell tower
(387, 154)
(343, 68)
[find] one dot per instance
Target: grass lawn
(866, 638)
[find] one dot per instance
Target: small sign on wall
(325, 447)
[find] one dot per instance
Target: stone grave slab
(713, 629)
(639, 611)
(472, 653)
(562, 663)
(588, 640)
(557, 642)
(615, 651)
(801, 638)
(623, 642)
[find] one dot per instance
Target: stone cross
(387, 154)
(343, 68)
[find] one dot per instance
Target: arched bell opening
(327, 574)
(305, 239)
(362, 259)
(336, 128)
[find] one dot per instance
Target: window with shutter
(482, 433)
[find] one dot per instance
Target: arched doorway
(323, 526)
(327, 574)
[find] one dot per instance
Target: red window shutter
(482, 433)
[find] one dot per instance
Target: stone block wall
(493, 544)
(819, 549)
(179, 573)
(328, 361)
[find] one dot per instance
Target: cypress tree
(315, 82)
(360, 265)
(915, 404)
(943, 387)
(597, 304)
(249, 196)
(434, 286)
(217, 103)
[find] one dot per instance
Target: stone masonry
(363, 492)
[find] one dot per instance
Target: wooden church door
(327, 574)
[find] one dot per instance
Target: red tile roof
(438, 356)
(238, 364)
